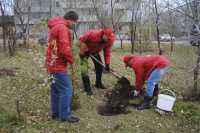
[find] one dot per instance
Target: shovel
(116, 75)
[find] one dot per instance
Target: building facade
(43, 9)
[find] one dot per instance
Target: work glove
(136, 93)
(107, 67)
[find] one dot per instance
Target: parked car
(166, 37)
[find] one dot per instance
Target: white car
(166, 37)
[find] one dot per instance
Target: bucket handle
(166, 90)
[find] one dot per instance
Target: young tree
(122, 36)
(191, 10)
(22, 10)
(157, 15)
(8, 28)
(133, 24)
(108, 13)
(171, 25)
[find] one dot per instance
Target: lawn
(30, 85)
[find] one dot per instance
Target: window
(57, 4)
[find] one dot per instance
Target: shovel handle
(112, 71)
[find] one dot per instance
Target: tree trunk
(157, 27)
(11, 40)
(140, 41)
(28, 28)
(172, 42)
(133, 34)
(4, 38)
(121, 41)
(196, 73)
(24, 40)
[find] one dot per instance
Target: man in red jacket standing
(91, 43)
(58, 57)
(149, 68)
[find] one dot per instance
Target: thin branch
(97, 14)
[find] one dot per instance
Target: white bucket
(166, 102)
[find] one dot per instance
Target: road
(125, 42)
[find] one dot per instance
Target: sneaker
(54, 117)
(73, 119)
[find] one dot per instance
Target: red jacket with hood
(92, 39)
(58, 53)
(144, 65)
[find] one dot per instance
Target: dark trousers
(98, 68)
(84, 70)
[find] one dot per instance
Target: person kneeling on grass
(58, 57)
(149, 68)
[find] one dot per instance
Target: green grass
(35, 106)
(9, 122)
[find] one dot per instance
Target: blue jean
(153, 79)
(61, 95)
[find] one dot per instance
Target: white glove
(136, 93)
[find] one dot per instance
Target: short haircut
(71, 15)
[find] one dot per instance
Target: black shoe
(100, 86)
(145, 104)
(86, 83)
(54, 117)
(156, 91)
(89, 93)
(73, 119)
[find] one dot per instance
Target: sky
(7, 6)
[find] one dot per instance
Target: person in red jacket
(149, 68)
(91, 43)
(58, 57)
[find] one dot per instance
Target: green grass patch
(35, 105)
(9, 121)
(189, 110)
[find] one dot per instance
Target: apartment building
(43, 9)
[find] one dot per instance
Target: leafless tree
(190, 9)
(133, 24)
(8, 28)
(193, 10)
(122, 36)
(22, 10)
(108, 14)
(157, 15)
(169, 20)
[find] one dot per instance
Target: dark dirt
(116, 99)
(7, 72)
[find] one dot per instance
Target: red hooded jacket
(92, 39)
(58, 53)
(144, 65)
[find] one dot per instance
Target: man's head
(104, 39)
(108, 35)
(72, 16)
(126, 59)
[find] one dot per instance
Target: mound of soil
(7, 72)
(116, 99)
